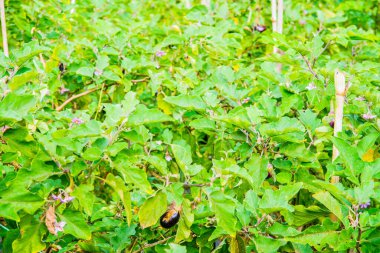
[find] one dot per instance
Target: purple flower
(55, 197)
(302, 22)
(260, 28)
(98, 72)
(360, 99)
(63, 90)
(368, 116)
(63, 197)
(160, 53)
(168, 157)
(365, 205)
(246, 100)
(77, 121)
(58, 226)
(311, 86)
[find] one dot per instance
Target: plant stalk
(4, 28)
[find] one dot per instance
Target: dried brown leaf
(51, 220)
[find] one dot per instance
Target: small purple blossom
(302, 22)
(160, 53)
(58, 226)
(77, 121)
(98, 72)
(168, 157)
(360, 99)
(63, 90)
(260, 28)
(368, 116)
(63, 197)
(365, 205)
(311, 86)
(246, 100)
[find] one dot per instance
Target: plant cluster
(118, 116)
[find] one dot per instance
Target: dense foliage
(114, 111)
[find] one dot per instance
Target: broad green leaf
(32, 232)
(86, 71)
(90, 128)
(288, 129)
(202, 124)
(182, 155)
(229, 167)
(274, 201)
(257, 167)
(303, 215)
(135, 176)
(267, 244)
(19, 80)
(185, 222)
(14, 107)
(152, 209)
(309, 119)
(75, 224)
(332, 204)
(13, 201)
(224, 209)
(367, 143)
(350, 157)
(187, 101)
(119, 187)
(143, 115)
(86, 199)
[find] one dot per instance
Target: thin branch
(140, 80)
(4, 28)
(310, 67)
(150, 245)
(59, 108)
(324, 49)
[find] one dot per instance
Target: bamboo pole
(280, 13)
(274, 19)
(4, 28)
(340, 94)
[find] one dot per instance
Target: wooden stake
(4, 28)
(274, 19)
(280, 13)
(340, 93)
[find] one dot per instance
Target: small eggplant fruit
(170, 218)
(332, 123)
(61, 67)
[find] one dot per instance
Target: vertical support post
(4, 28)
(340, 94)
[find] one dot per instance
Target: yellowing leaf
(368, 156)
(50, 219)
(152, 210)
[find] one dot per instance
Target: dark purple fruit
(61, 67)
(332, 123)
(169, 218)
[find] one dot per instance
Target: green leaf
(15, 200)
(86, 71)
(367, 143)
(202, 124)
(32, 231)
(19, 80)
(15, 107)
(268, 245)
(350, 157)
(119, 187)
(309, 119)
(332, 204)
(188, 102)
(135, 176)
(185, 222)
(229, 167)
(86, 199)
(152, 209)
(284, 129)
(75, 224)
(182, 155)
(303, 215)
(274, 201)
(90, 128)
(224, 209)
(143, 115)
